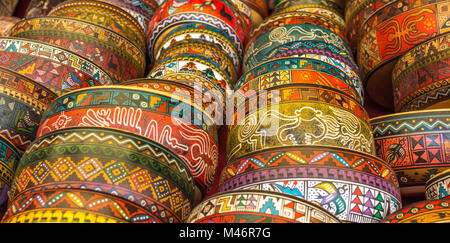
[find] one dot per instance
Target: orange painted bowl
(434, 211)
(104, 14)
(353, 186)
(438, 186)
(75, 206)
(9, 160)
(420, 79)
(161, 116)
(253, 206)
(414, 144)
(56, 68)
(390, 32)
(22, 104)
(113, 52)
(111, 161)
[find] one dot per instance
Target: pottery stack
(300, 128)
(402, 50)
(85, 164)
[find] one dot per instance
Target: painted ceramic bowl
(23, 102)
(210, 53)
(221, 14)
(161, 116)
(279, 5)
(196, 65)
(355, 187)
(414, 144)
(327, 12)
(188, 32)
(388, 34)
(252, 206)
(284, 70)
(111, 161)
(104, 14)
(438, 187)
(38, 8)
(193, 92)
(292, 18)
(8, 164)
(294, 116)
(436, 211)
(76, 206)
(114, 53)
(267, 45)
(56, 68)
(420, 79)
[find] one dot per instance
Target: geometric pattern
(127, 179)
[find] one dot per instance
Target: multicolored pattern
(25, 89)
(299, 123)
(104, 14)
(298, 76)
(419, 73)
(191, 91)
(293, 63)
(6, 22)
(205, 52)
(296, 17)
(160, 116)
(193, 66)
(356, 13)
(75, 206)
(415, 144)
(250, 206)
(221, 14)
(436, 211)
(123, 173)
(309, 155)
(9, 159)
(392, 31)
(196, 31)
(327, 12)
(438, 187)
(128, 54)
(55, 68)
(101, 53)
(271, 40)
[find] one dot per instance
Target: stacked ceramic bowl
(383, 31)
(103, 33)
(199, 44)
(403, 53)
(300, 130)
(89, 153)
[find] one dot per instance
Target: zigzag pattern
(197, 17)
(411, 127)
(124, 141)
(426, 100)
(10, 137)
